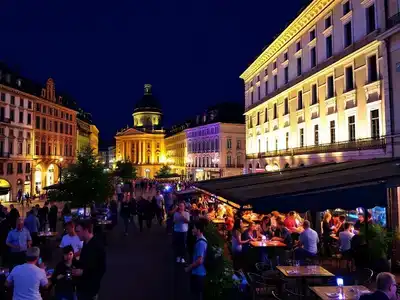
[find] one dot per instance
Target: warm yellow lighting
(61, 159)
(162, 159)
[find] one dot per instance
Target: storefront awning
(4, 191)
(356, 183)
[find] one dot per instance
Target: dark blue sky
(102, 53)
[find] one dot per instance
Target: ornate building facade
(143, 144)
(176, 149)
(55, 137)
(318, 92)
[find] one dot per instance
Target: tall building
(318, 92)
(143, 144)
(16, 135)
(176, 149)
(216, 143)
(88, 134)
(55, 137)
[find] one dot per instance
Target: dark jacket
(377, 295)
(126, 209)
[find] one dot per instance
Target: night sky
(192, 52)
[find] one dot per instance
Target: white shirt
(309, 239)
(74, 241)
(345, 240)
(118, 189)
(159, 200)
(27, 279)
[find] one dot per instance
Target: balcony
(358, 145)
(393, 20)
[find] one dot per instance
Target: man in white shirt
(160, 207)
(308, 243)
(71, 239)
(26, 279)
(345, 238)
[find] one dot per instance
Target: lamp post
(59, 164)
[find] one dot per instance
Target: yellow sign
(4, 183)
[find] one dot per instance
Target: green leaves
(164, 172)
(125, 170)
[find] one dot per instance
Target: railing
(357, 145)
(393, 20)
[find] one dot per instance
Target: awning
(4, 191)
(347, 198)
(56, 186)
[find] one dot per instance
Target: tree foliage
(125, 170)
(165, 171)
(84, 182)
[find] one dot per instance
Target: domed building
(143, 144)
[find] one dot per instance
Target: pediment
(129, 131)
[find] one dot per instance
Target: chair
(363, 276)
(287, 295)
(260, 286)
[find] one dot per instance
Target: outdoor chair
(265, 269)
(261, 287)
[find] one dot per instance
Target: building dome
(148, 101)
(147, 113)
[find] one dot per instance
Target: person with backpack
(197, 267)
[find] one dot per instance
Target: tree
(125, 170)
(165, 171)
(84, 182)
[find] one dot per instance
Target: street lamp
(59, 165)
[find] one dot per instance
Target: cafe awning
(344, 185)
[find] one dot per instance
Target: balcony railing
(357, 145)
(393, 20)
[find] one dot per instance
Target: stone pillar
(144, 152)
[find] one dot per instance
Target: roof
(273, 189)
(148, 102)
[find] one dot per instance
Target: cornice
(306, 17)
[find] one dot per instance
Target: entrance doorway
(38, 180)
(50, 175)
(5, 191)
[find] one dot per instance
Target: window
(298, 46)
(258, 118)
(44, 109)
(348, 36)
(238, 161)
(313, 57)
(11, 147)
(299, 100)
(314, 97)
(349, 78)
(61, 127)
(3, 97)
(329, 47)
(352, 128)
(312, 34)
(21, 117)
(27, 168)
(274, 65)
(275, 82)
(301, 137)
(44, 124)
(328, 22)
(332, 129)
(346, 8)
(375, 134)
(29, 104)
(2, 113)
(50, 125)
(299, 64)
(372, 69)
(316, 134)
(238, 144)
(19, 148)
(275, 111)
(29, 119)
(19, 168)
(10, 168)
(370, 11)
(1, 168)
(329, 87)
(21, 102)
(37, 122)
(12, 100)
(55, 126)
(258, 79)
(286, 73)
(250, 122)
(28, 149)
(285, 56)
(12, 115)
(229, 143)
(266, 87)
(266, 71)
(43, 148)
(286, 106)
(38, 107)
(287, 141)
(251, 97)
(229, 160)
(49, 149)
(259, 92)
(266, 115)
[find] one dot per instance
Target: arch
(258, 166)
(38, 179)
(287, 166)
(50, 175)
(301, 165)
(250, 166)
(5, 190)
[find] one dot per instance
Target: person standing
(92, 261)
(12, 216)
(159, 207)
(71, 239)
(19, 240)
(181, 221)
(32, 224)
(118, 191)
(53, 216)
(44, 216)
(197, 268)
(125, 214)
(144, 213)
(26, 279)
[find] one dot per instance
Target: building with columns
(143, 144)
(320, 92)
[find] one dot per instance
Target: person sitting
(62, 277)
(282, 234)
(340, 225)
(249, 234)
(266, 226)
(290, 222)
(386, 288)
(345, 238)
(308, 243)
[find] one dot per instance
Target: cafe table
(218, 221)
(261, 244)
(330, 292)
(303, 273)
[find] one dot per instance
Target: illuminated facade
(143, 144)
(317, 93)
(55, 137)
(94, 139)
(82, 135)
(215, 150)
(176, 150)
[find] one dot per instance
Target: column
(139, 151)
(144, 152)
